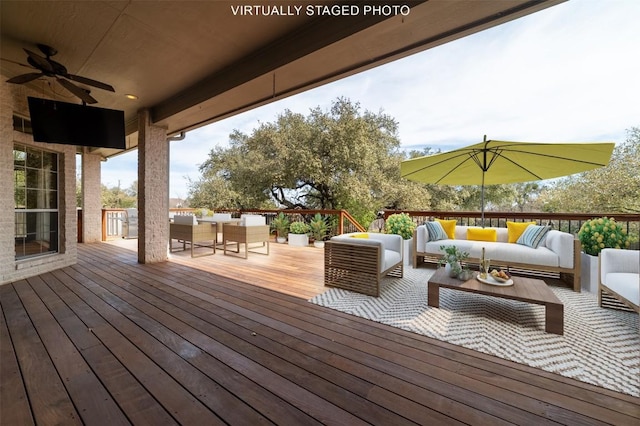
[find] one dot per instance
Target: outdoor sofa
(556, 251)
(358, 261)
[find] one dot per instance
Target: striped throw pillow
(533, 235)
(436, 231)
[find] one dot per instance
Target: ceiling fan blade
(90, 82)
(17, 63)
(25, 78)
(43, 63)
(79, 92)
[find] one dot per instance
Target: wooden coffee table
(528, 290)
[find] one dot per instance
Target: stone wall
(91, 199)
(13, 99)
(153, 191)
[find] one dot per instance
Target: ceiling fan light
(130, 96)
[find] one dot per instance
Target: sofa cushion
(360, 235)
(533, 235)
(391, 258)
(186, 219)
(221, 217)
(482, 234)
(505, 253)
(626, 284)
(436, 231)
(515, 230)
(449, 227)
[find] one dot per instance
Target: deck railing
(112, 220)
(341, 221)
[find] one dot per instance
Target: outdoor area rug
(599, 346)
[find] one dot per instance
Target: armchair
(358, 261)
(619, 279)
(186, 229)
(249, 230)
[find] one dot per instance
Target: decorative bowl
(500, 279)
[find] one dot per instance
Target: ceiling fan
(50, 68)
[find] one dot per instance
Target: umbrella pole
(482, 202)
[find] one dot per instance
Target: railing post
(104, 225)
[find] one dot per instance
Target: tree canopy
(346, 158)
(611, 189)
(343, 158)
(116, 197)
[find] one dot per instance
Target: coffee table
(528, 290)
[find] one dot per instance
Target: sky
(569, 73)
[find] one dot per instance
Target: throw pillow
(533, 235)
(449, 227)
(436, 231)
(482, 234)
(515, 229)
(360, 236)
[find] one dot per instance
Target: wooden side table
(232, 233)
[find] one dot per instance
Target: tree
(337, 159)
(117, 198)
(611, 189)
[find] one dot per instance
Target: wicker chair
(358, 261)
(251, 229)
(186, 230)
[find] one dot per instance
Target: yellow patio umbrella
(496, 162)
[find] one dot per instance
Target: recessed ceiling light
(130, 96)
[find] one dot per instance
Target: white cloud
(567, 73)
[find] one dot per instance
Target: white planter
(589, 272)
(281, 240)
(449, 270)
(407, 252)
(318, 244)
(298, 240)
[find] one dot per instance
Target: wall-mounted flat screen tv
(73, 124)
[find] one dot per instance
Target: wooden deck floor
(110, 341)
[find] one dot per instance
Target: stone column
(153, 190)
(91, 199)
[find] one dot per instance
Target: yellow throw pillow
(449, 227)
(515, 229)
(360, 236)
(482, 234)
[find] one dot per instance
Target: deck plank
(95, 407)
(226, 405)
(134, 400)
(50, 402)
(227, 340)
(267, 349)
(12, 391)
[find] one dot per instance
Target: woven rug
(599, 346)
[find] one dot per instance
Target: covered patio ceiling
(192, 63)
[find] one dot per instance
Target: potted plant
(452, 260)
(402, 224)
(298, 234)
(595, 235)
(280, 224)
(318, 229)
